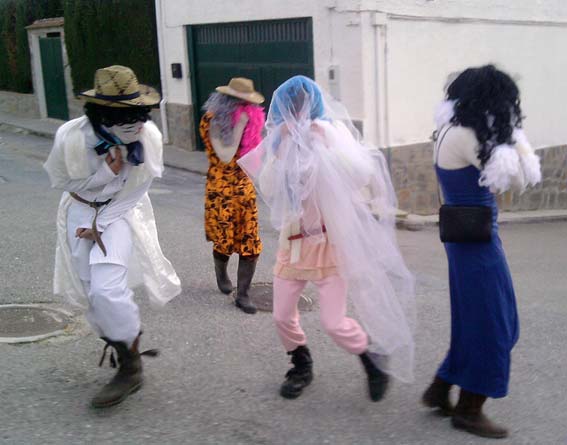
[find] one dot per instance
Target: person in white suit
(107, 239)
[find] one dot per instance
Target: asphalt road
(217, 378)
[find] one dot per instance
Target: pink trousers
(345, 332)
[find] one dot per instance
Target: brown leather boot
(437, 396)
(246, 269)
(468, 416)
(128, 379)
(221, 265)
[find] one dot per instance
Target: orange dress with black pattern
(231, 214)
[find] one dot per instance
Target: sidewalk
(196, 162)
(174, 157)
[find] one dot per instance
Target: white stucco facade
(393, 56)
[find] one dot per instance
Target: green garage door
(268, 52)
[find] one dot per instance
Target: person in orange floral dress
(230, 128)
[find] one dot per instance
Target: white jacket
(68, 162)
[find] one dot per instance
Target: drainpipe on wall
(379, 23)
(162, 71)
(381, 87)
(381, 83)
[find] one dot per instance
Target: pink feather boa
(252, 135)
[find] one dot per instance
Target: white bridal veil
(313, 169)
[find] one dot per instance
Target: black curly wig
(488, 101)
(109, 116)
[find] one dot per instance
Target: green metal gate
(268, 52)
(53, 77)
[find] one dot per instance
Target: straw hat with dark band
(242, 88)
(117, 86)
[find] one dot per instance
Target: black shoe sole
(290, 395)
(117, 401)
(376, 397)
(245, 309)
(294, 395)
(464, 426)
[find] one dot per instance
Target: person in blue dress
(479, 131)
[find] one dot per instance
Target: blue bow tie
(107, 141)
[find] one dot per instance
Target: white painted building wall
(394, 56)
(422, 53)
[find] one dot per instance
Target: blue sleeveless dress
(484, 318)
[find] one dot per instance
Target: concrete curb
(196, 171)
(190, 161)
(13, 128)
(418, 222)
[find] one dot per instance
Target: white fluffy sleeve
(511, 167)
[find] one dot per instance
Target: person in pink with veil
(331, 198)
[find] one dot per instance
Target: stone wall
(17, 104)
(551, 193)
(181, 126)
(414, 179)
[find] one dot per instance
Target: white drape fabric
(313, 170)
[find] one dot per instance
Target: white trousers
(112, 312)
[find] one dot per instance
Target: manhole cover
(262, 296)
(20, 323)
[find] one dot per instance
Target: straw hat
(241, 88)
(117, 86)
